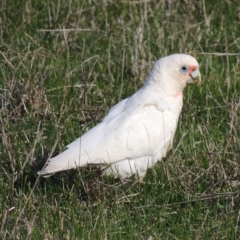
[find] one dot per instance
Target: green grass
(63, 64)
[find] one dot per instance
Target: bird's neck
(178, 95)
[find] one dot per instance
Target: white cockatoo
(138, 131)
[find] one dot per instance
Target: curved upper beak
(195, 77)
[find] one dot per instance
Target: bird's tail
(69, 159)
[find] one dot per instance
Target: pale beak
(195, 77)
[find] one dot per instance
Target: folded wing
(129, 131)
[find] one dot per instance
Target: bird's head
(174, 72)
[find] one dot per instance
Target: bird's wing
(112, 113)
(128, 132)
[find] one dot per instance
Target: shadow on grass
(87, 183)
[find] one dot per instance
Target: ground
(63, 65)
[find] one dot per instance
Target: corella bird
(138, 131)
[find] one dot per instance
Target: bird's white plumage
(139, 130)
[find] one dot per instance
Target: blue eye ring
(184, 69)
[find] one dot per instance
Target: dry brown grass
(63, 65)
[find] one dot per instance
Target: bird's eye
(184, 69)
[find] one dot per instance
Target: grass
(63, 65)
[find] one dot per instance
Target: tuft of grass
(63, 64)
